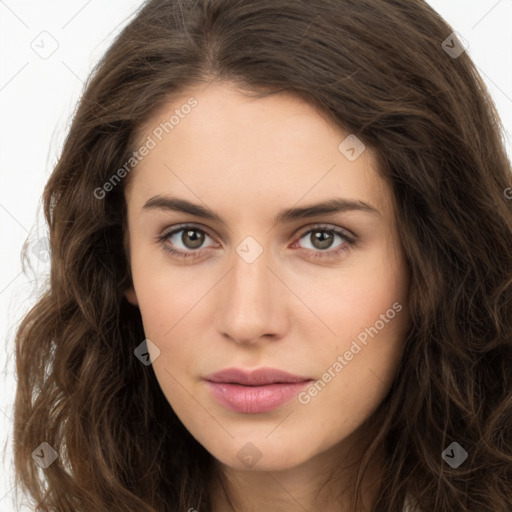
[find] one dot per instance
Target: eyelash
(348, 241)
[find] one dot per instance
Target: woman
(281, 271)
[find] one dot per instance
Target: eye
(322, 238)
(184, 241)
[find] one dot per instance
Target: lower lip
(254, 399)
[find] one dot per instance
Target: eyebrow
(335, 205)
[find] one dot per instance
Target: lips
(256, 391)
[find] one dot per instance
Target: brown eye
(321, 239)
(325, 241)
(192, 238)
(186, 241)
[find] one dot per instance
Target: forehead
(274, 149)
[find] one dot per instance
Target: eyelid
(348, 235)
(182, 227)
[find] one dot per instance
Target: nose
(252, 304)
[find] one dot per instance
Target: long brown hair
(378, 69)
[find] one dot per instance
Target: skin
(246, 159)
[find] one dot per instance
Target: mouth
(257, 391)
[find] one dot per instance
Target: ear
(131, 296)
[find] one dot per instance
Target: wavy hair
(379, 70)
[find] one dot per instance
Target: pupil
(322, 239)
(196, 241)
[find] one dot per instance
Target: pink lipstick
(260, 390)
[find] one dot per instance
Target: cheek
(366, 310)
(356, 371)
(354, 298)
(164, 294)
(170, 303)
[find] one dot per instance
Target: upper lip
(259, 376)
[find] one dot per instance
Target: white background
(38, 96)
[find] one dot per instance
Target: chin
(247, 455)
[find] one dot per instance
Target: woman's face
(262, 276)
